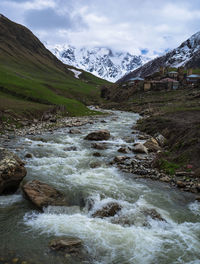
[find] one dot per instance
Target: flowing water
(129, 237)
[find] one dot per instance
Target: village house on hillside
(165, 79)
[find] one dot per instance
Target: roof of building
(194, 76)
(136, 79)
(168, 80)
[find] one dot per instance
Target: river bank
(175, 115)
(149, 165)
(70, 163)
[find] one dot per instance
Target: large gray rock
(42, 195)
(98, 135)
(12, 171)
(140, 148)
(152, 145)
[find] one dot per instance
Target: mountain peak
(100, 61)
(186, 55)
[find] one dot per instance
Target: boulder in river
(12, 171)
(96, 154)
(140, 148)
(100, 146)
(153, 214)
(42, 195)
(108, 210)
(71, 148)
(98, 135)
(124, 150)
(28, 155)
(95, 164)
(74, 131)
(67, 244)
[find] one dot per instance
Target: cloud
(136, 26)
(47, 19)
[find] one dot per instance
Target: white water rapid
(129, 237)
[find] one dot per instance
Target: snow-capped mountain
(187, 55)
(102, 62)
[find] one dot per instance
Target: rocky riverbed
(89, 190)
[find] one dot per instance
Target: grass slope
(30, 73)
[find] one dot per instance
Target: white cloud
(129, 25)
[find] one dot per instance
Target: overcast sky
(146, 26)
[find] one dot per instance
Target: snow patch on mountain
(76, 73)
(100, 61)
(186, 55)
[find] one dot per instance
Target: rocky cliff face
(187, 54)
(102, 62)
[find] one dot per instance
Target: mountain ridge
(103, 62)
(186, 55)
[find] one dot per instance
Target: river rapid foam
(129, 237)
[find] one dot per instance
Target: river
(25, 232)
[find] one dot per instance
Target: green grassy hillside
(30, 74)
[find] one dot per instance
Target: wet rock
(124, 150)
(42, 195)
(181, 184)
(123, 221)
(140, 148)
(103, 121)
(28, 156)
(96, 154)
(140, 157)
(95, 164)
(152, 145)
(129, 140)
(108, 210)
(12, 171)
(119, 159)
(153, 214)
(72, 148)
(143, 137)
(100, 146)
(197, 198)
(98, 135)
(74, 131)
(160, 139)
(67, 244)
